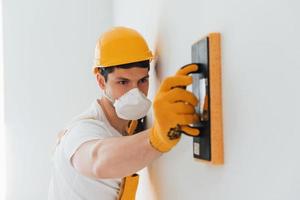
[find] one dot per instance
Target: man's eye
(144, 80)
(123, 82)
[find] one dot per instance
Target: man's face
(121, 81)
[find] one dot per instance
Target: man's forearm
(121, 156)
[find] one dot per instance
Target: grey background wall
(49, 46)
(48, 57)
(260, 46)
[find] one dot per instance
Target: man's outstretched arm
(114, 157)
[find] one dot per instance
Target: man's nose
(134, 85)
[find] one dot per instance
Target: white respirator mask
(133, 105)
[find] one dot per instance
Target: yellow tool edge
(215, 87)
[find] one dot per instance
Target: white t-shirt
(67, 183)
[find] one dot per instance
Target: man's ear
(101, 81)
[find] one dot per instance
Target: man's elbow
(101, 170)
(98, 170)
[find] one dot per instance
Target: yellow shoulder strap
(129, 187)
(132, 126)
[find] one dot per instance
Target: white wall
(260, 44)
(48, 55)
(2, 135)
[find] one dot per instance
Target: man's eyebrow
(145, 77)
(122, 78)
(126, 79)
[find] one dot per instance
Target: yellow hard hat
(120, 45)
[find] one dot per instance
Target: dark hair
(104, 71)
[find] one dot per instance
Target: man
(97, 154)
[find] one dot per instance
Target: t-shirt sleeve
(81, 132)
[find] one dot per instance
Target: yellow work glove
(174, 110)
